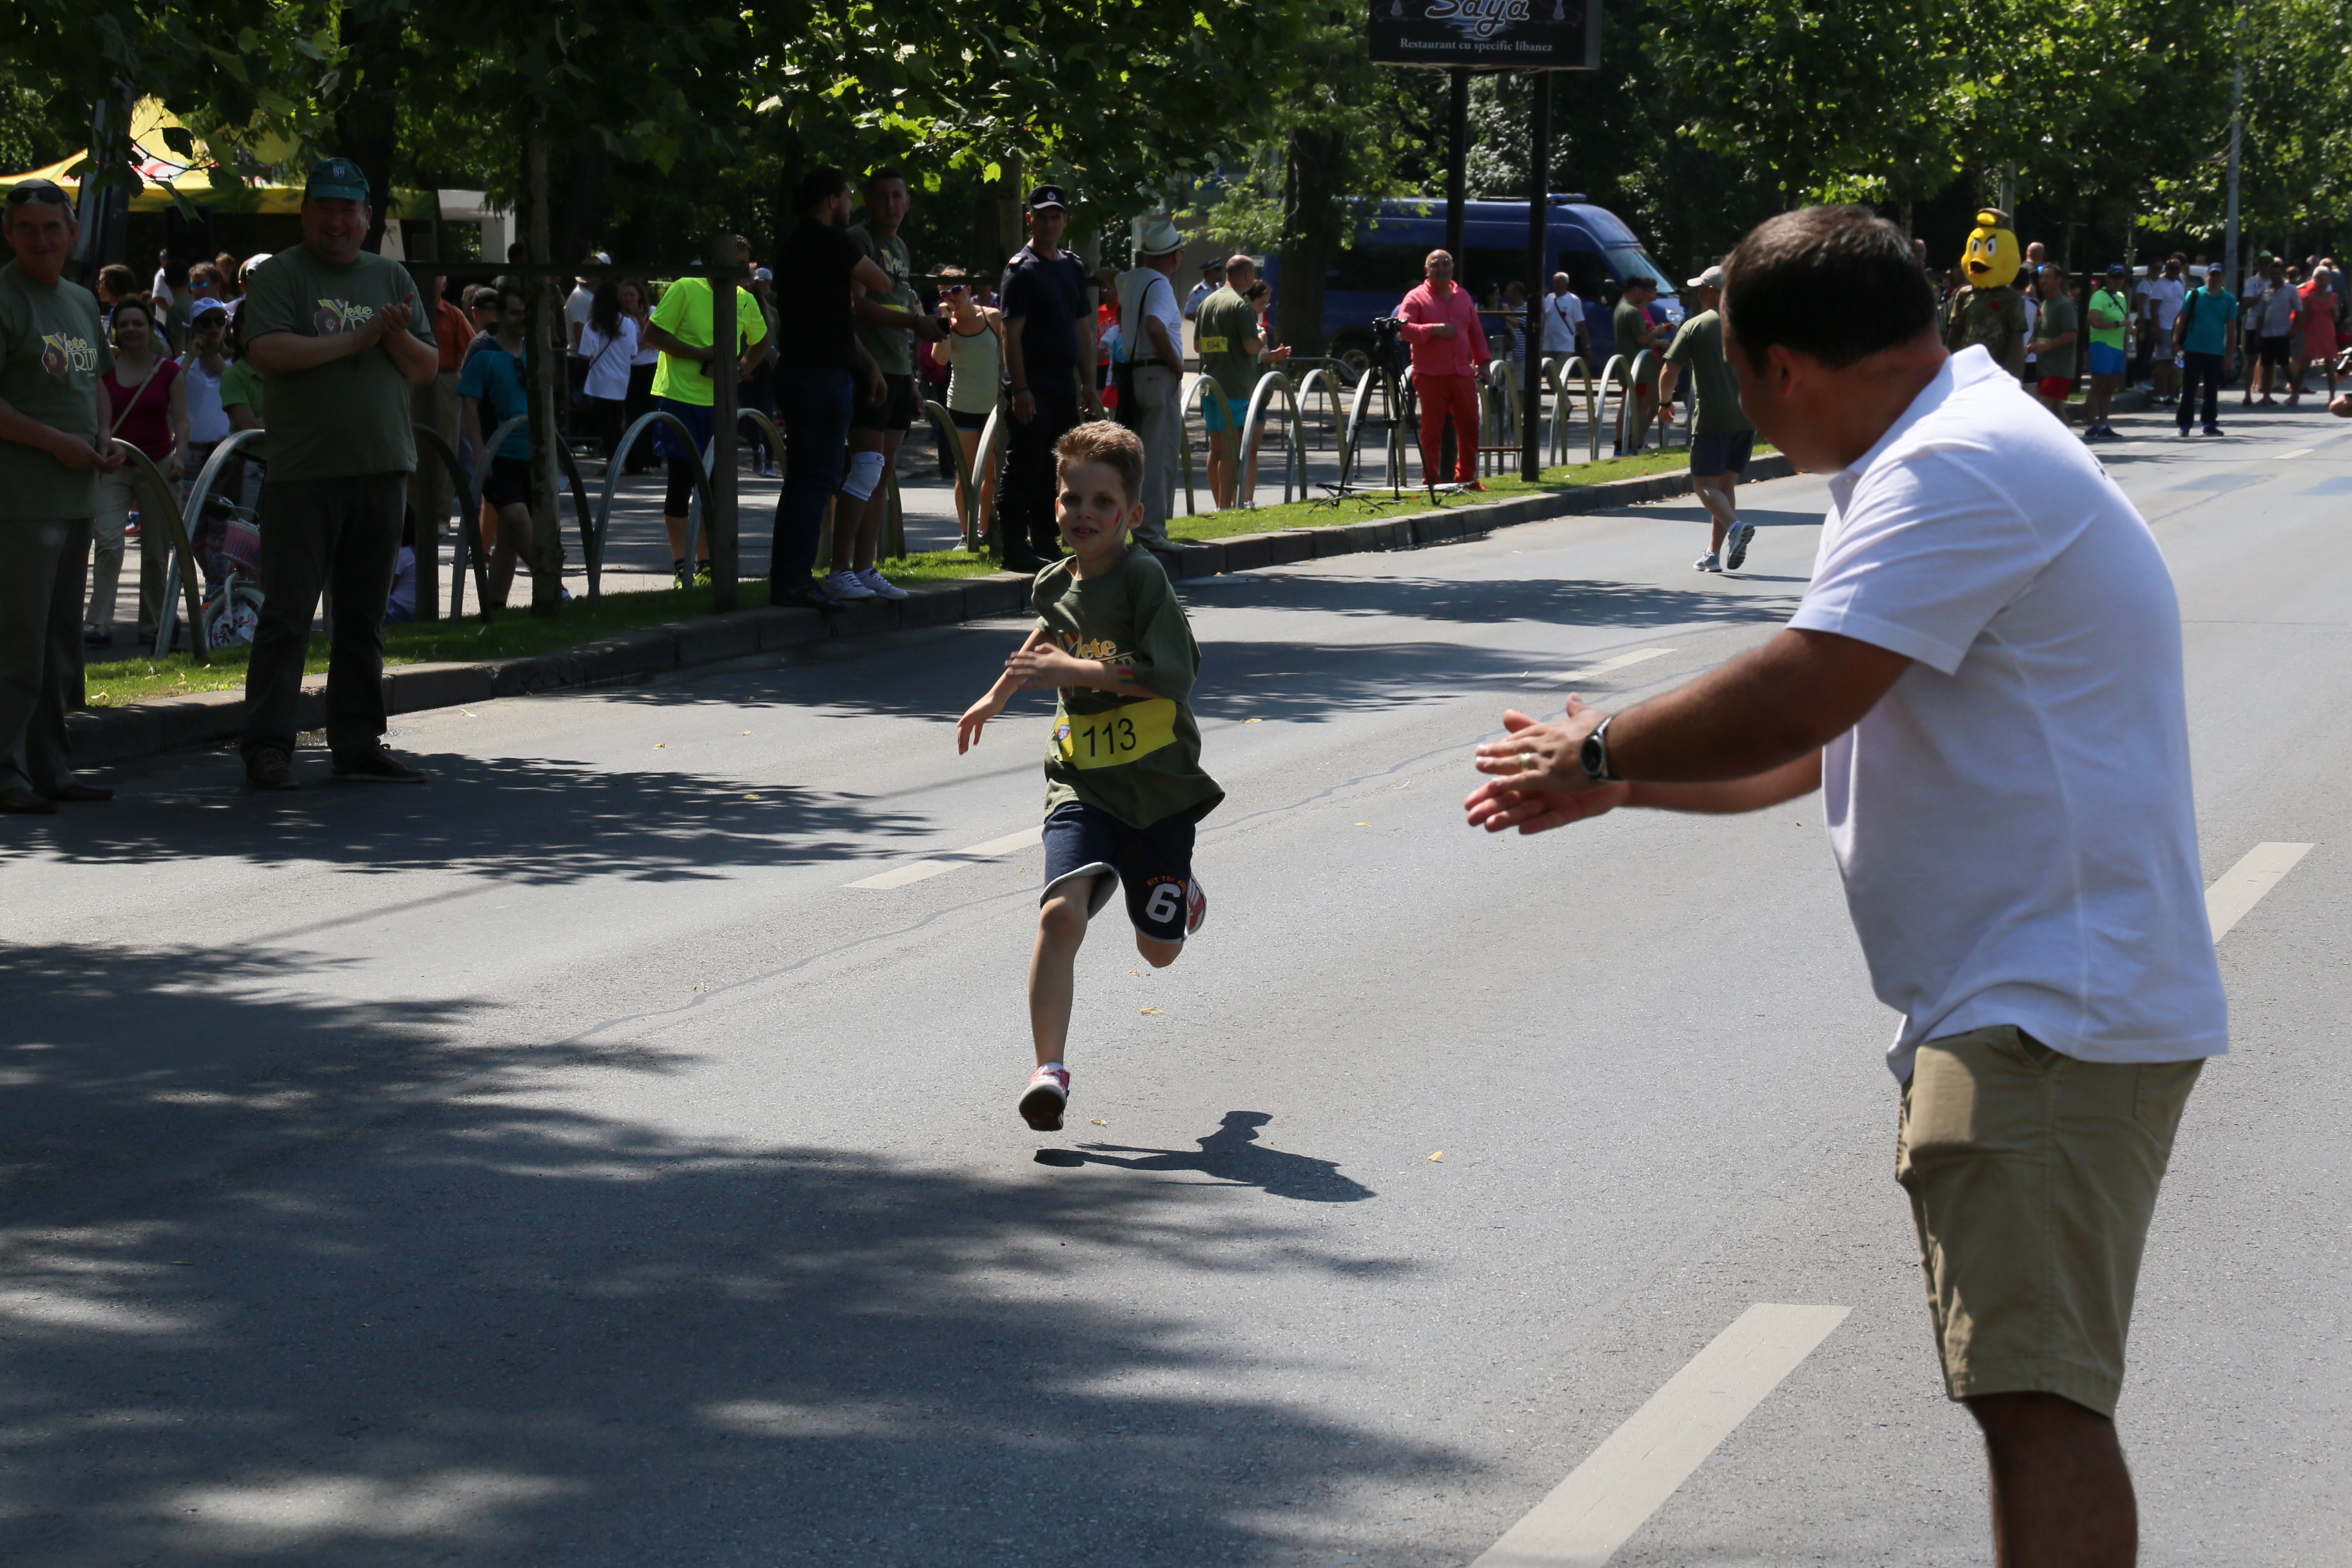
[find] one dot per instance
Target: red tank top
(148, 424)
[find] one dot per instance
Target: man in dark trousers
(1049, 338)
(52, 448)
(340, 338)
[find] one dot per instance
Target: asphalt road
(564, 1162)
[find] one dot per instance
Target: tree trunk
(544, 364)
(996, 222)
(1309, 216)
(367, 120)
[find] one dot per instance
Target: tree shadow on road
(522, 819)
(490, 1330)
(1234, 1157)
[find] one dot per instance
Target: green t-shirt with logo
(1138, 759)
(53, 352)
(349, 416)
(2058, 315)
(685, 314)
(242, 383)
(893, 348)
(1698, 349)
(1227, 322)
(2114, 306)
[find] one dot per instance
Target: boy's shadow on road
(1233, 1156)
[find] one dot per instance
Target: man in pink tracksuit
(1448, 347)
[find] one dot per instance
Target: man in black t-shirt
(820, 368)
(1049, 358)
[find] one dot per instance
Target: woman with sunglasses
(147, 407)
(973, 350)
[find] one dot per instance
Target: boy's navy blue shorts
(1154, 864)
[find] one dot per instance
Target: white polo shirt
(2013, 819)
(1562, 314)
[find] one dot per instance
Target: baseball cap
(1048, 196)
(2217, 270)
(2117, 270)
(761, 274)
(336, 179)
(1710, 278)
(204, 308)
(38, 191)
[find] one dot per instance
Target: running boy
(1123, 782)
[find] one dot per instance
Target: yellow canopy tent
(164, 173)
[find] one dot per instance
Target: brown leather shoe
(26, 801)
(78, 791)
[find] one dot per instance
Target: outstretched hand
(1539, 783)
(975, 719)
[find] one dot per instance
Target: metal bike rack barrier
(1612, 378)
(1560, 402)
(1632, 400)
(1256, 417)
(176, 583)
(976, 538)
(469, 542)
(612, 482)
(707, 475)
(1325, 375)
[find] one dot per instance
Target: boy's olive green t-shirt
(1138, 759)
(349, 416)
(53, 351)
(2058, 315)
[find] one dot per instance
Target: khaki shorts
(2033, 1179)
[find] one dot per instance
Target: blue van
(1369, 278)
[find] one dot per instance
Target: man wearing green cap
(340, 338)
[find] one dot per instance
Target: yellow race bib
(1212, 345)
(1120, 735)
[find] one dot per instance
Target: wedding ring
(1527, 762)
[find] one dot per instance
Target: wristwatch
(1594, 755)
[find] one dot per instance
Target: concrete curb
(99, 736)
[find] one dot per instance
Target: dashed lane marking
(918, 870)
(1639, 1466)
(1608, 666)
(2236, 892)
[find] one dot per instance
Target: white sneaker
(1710, 562)
(881, 586)
(1042, 1101)
(1196, 906)
(845, 586)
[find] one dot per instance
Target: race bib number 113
(1120, 735)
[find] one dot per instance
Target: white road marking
(1639, 1466)
(2237, 890)
(2298, 452)
(918, 870)
(1588, 671)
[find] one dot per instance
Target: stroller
(227, 544)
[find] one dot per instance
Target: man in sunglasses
(53, 351)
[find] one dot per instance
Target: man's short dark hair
(1838, 284)
(888, 171)
(819, 186)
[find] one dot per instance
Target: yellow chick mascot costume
(1990, 311)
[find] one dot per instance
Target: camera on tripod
(1389, 355)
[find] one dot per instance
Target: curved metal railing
(613, 475)
(979, 522)
(179, 582)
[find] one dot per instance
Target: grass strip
(1317, 514)
(513, 633)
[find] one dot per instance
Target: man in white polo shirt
(1984, 680)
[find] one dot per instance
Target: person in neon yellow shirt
(682, 330)
(2110, 310)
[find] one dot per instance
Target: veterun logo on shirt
(67, 353)
(334, 316)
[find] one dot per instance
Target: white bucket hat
(1155, 237)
